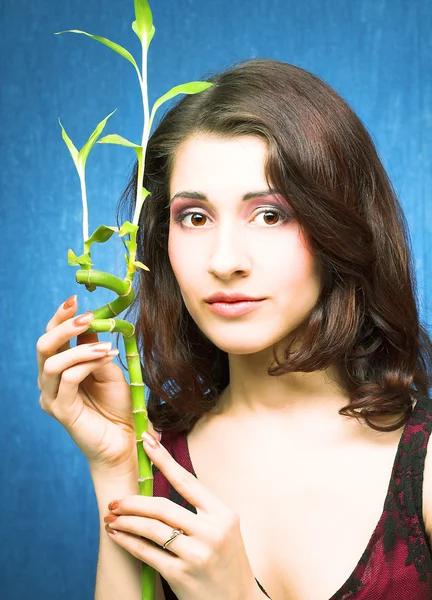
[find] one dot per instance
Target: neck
(252, 391)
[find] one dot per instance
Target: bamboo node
(138, 410)
(133, 331)
(112, 310)
(129, 289)
(137, 384)
(142, 479)
(112, 326)
(132, 354)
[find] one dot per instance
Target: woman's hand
(86, 392)
(208, 561)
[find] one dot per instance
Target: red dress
(397, 562)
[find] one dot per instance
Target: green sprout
(106, 316)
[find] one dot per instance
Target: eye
(197, 218)
(272, 216)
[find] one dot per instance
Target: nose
(229, 254)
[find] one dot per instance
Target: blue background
(376, 53)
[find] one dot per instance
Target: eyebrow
(203, 197)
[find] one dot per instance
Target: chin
(241, 347)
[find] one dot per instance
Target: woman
(281, 343)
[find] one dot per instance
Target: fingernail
(83, 319)
(113, 352)
(113, 505)
(69, 302)
(149, 439)
(110, 518)
(109, 530)
(101, 346)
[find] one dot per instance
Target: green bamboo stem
(105, 316)
(105, 322)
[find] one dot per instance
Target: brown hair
(323, 161)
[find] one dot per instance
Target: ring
(174, 534)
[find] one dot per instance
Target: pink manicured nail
(83, 319)
(69, 302)
(113, 352)
(149, 439)
(101, 346)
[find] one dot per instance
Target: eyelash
(282, 214)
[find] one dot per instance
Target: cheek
(308, 265)
(291, 266)
(174, 254)
(184, 261)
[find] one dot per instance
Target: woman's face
(232, 245)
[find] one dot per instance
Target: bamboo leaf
(143, 24)
(135, 29)
(71, 147)
(116, 47)
(72, 258)
(193, 87)
(101, 235)
(118, 139)
(126, 228)
(84, 152)
(139, 264)
(139, 151)
(82, 261)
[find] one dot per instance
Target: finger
(154, 433)
(186, 484)
(64, 405)
(165, 563)
(63, 312)
(152, 530)
(71, 367)
(73, 377)
(57, 339)
(162, 510)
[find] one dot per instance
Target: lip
(234, 297)
(234, 309)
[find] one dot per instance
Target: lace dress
(397, 562)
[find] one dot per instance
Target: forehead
(207, 161)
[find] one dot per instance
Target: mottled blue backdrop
(376, 53)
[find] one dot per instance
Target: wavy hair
(324, 163)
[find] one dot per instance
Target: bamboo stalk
(105, 321)
(105, 316)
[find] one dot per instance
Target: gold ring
(174, 534)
